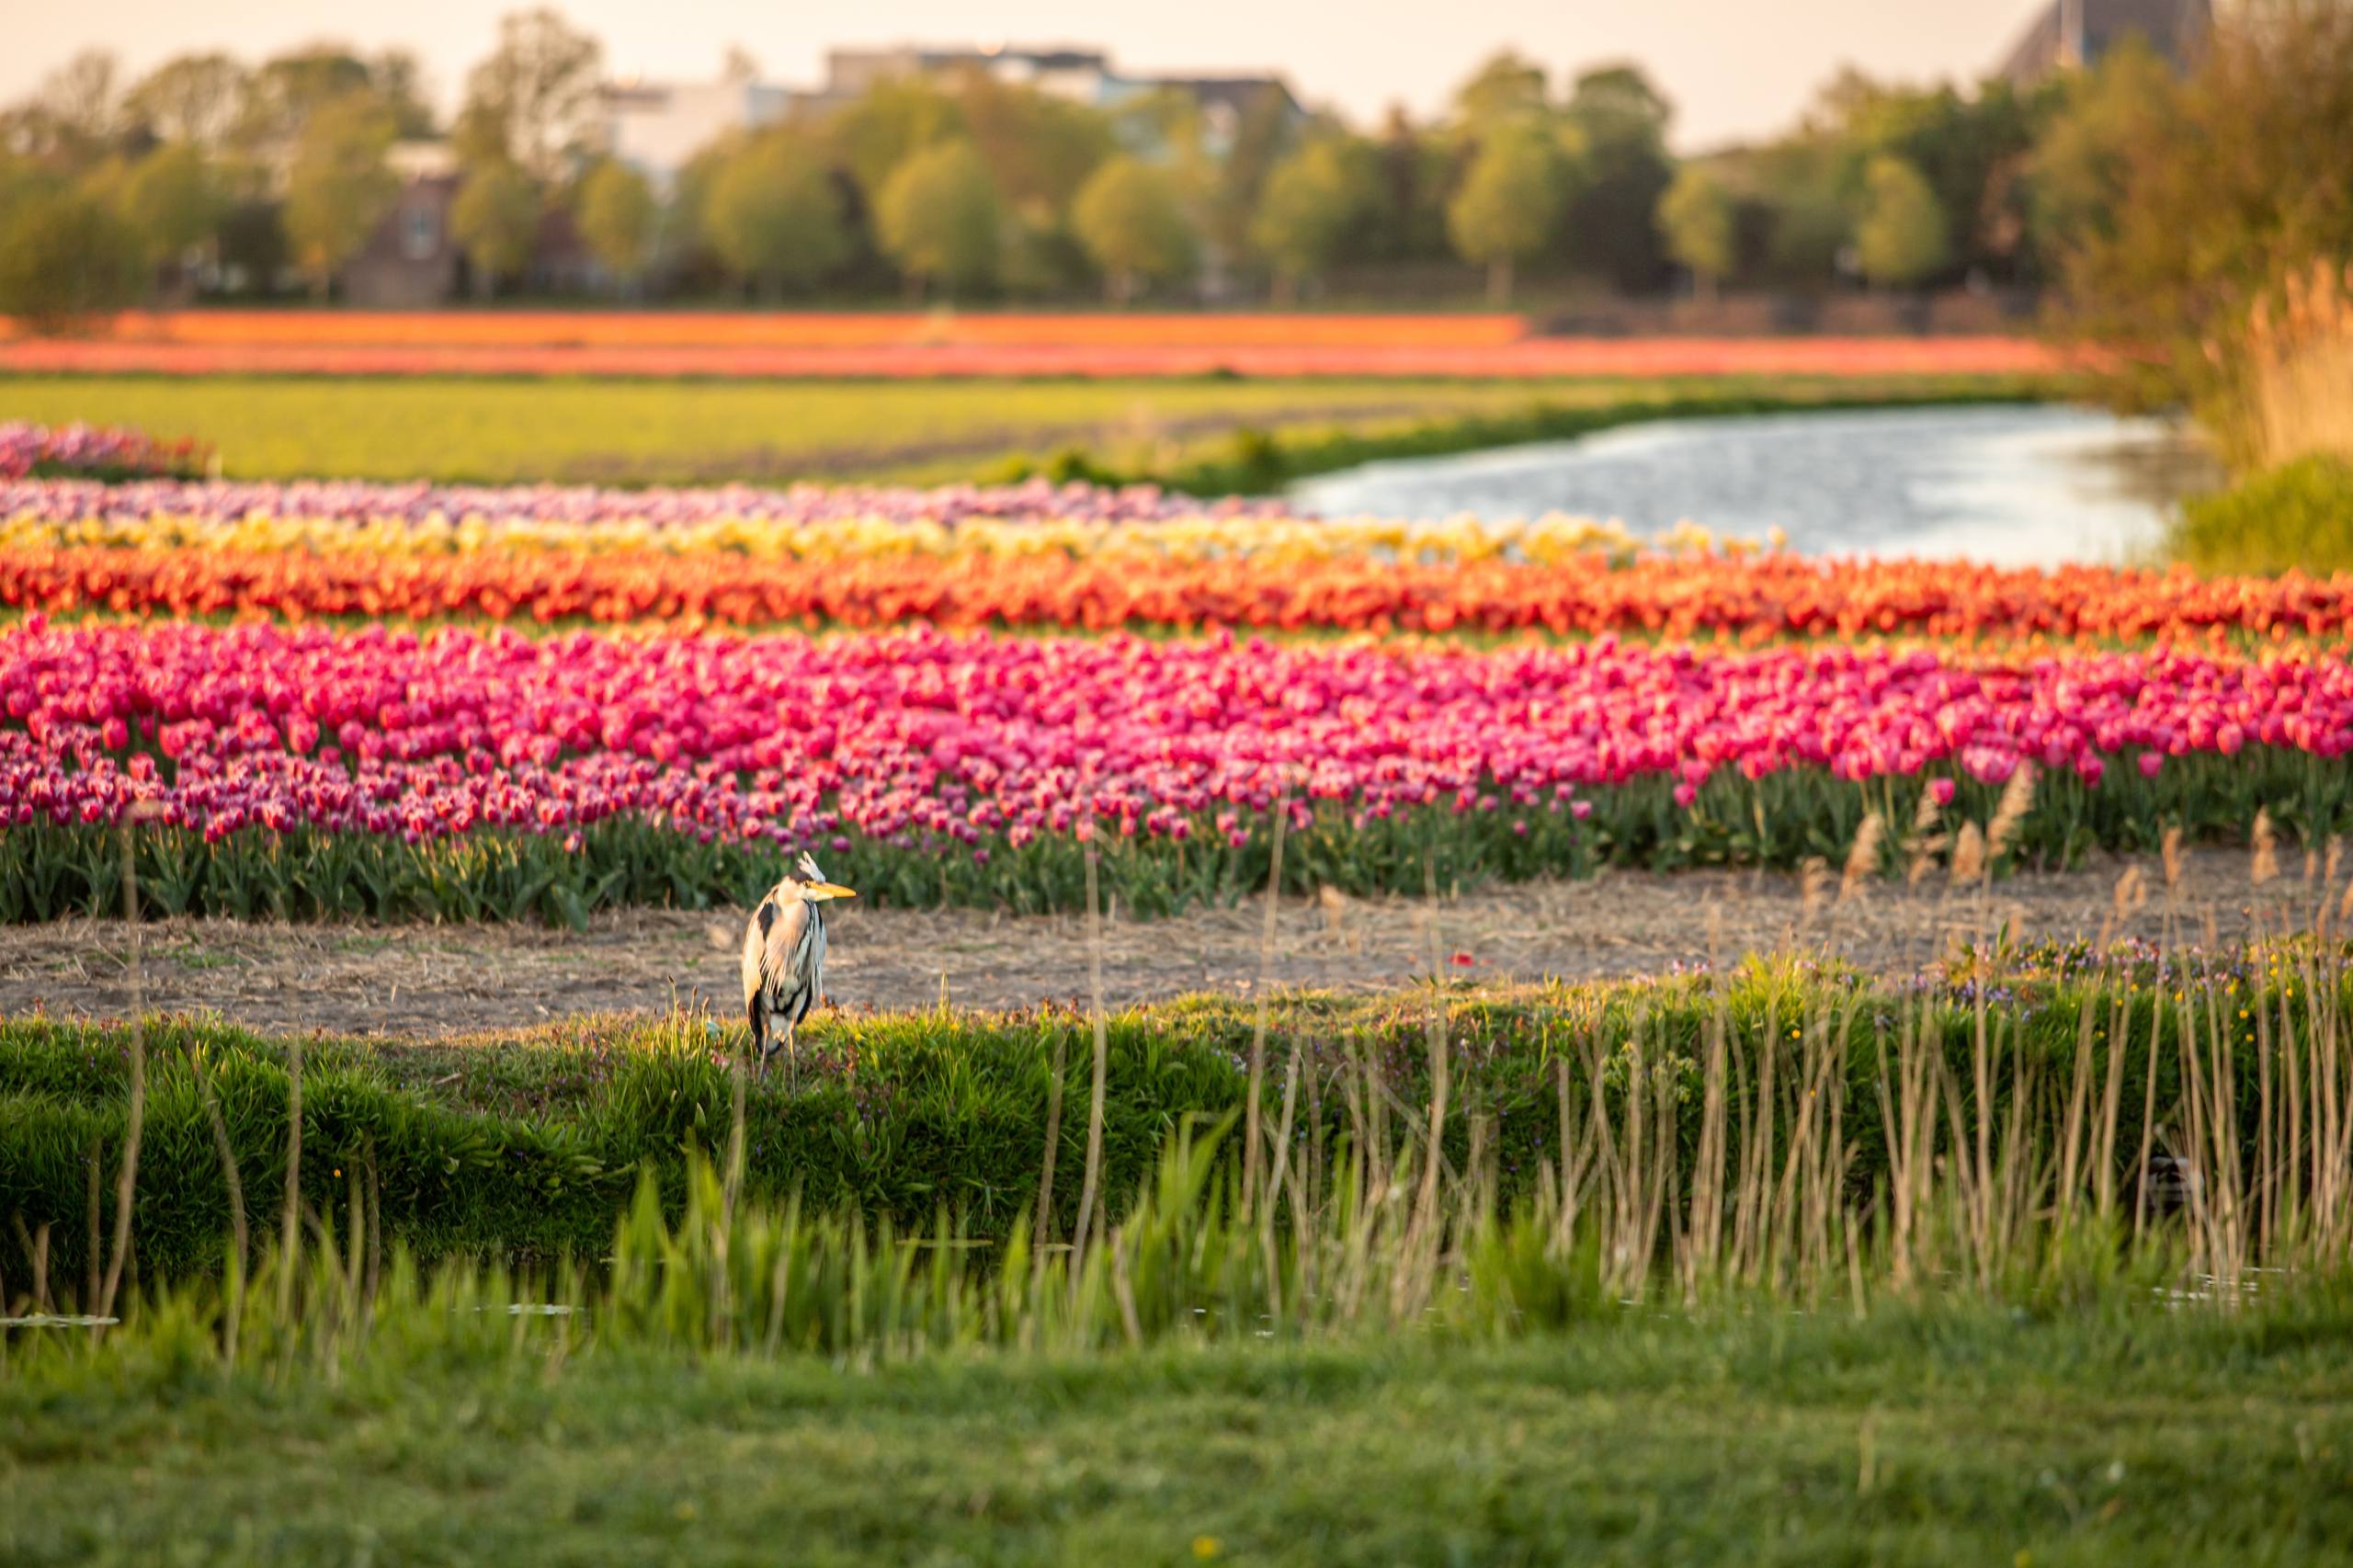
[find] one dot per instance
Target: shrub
(2298, 515)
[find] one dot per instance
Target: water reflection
(2014, 485)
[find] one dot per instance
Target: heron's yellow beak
(830, 889)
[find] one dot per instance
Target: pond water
(2016, 485)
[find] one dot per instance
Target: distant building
(411, 259)
(1076, 75)
(1079, 75)
(2072, 33)
(656, 128)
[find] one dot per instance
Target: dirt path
(438, 980)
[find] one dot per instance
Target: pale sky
(1733, 68)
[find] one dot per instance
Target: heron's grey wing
(755, 941)
(785, 957)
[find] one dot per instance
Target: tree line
(964, 187)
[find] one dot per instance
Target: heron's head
(809, 884)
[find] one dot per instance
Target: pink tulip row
(26, 448)
(906, 734)
(362, 501)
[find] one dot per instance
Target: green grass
(1203, 434)
(1399, 1359)
(1913, 1436)
(2296, 517)
(529, 1144)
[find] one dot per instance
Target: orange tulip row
(1750, 599)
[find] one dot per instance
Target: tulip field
(894, 345)
(345, 699)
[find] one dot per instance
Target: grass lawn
(1916, 1436)
(694, 432)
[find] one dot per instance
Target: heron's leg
(791, 1061)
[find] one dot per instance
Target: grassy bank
(2297, 517)
(1212, 436)
(531, 1146)
(1914, 1436)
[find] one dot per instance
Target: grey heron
(784, 960)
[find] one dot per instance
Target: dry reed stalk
(2297, 353)
(2264, 1196)
(1862, 857)
(1419, 1257)
(92, 1206)
(1087, 1191)
(2170, 851)
(741, 1074)
(1569, 1172)
(2071, 1141)
(1275, 1191)
(2265, 864)
(2119, 1020)
(1705, 1230)
(2290, 1198)
(2132, 894)
(1927, 842)
(1898, 1187)
(2148, 1119)
(1250, 1131)
(1042, 1230)
(1969, 861)
(210, 1100)
(1814, 881)
(2009, 815)
(291, 1234)
(1756, 1154)
(35, 1243)
(1984, 1047)
(127, 1178)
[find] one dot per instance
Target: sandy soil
(440, 980)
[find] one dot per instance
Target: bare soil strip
(424, 980)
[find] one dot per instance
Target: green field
(529, 1145)
(1840, 1273)
(1915, 1438)
(631, 432)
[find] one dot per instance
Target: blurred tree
(1695, 216)
(1901, 239)
(1314, 199)
(1508, 88)
(938, 217)
(1039, 149)
(890, 123)
(1409, 220)
(619, 218)
(73, 119)
(193, 98)
(773, 216)
(2220, 193)
(495, 218)
(285, 91)
(1131, 221)
(1967, 148)
(1622, 170)
(1233, 169)
(531, 99)
(174, 202)
(64, 256)
(338, 189)
(85, 95)
(2076, 175)
(252, 245)
(1508, 204)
